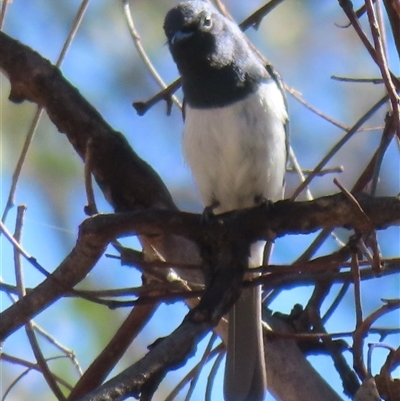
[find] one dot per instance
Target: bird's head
(214, 57)
(198, 34)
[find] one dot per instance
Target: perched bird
(234, 142)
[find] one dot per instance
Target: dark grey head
(213, 56)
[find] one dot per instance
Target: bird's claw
(208, 212)
(262, 201)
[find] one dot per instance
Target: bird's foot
(208, 212)
(262, 201)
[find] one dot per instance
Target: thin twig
(371, 348)
(142, 52)
(377, 54)
(379, 57)
(213, 372)
(359, 13)
(33, 366)
(41, 361)
(203, 360)
(299, 171)
(377, 264)
(384, 331)
(362, 330)
(335, 303)
(142, 107)
(325, 171)
(68, 353)
(256, 18)
(21, 160)
(357, 80)
(17, 259)
(392, 360)
(315, 335)
(90, 208)
(357, 291)
(339, 145)
(171, 396)
(3, 13)
(387, 136)
(349, 379)
(297, 96)
(14, 383)
(381, 26)
(21, 250)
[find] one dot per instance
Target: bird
(235, 144)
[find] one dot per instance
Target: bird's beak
(179, 36)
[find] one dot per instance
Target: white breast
(237, 152)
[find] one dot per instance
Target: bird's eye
(207, 22)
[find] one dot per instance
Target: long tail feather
(245, 378)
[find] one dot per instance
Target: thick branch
(281, 218)
(171, 351)
(71, 271)
(127, 181)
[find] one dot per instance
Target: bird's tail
(245, 378)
